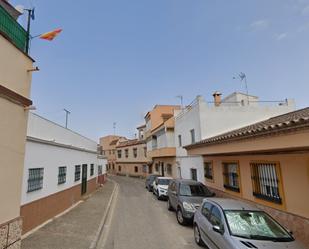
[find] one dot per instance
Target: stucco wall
(13, 125)
(191, 162)
(13, 68)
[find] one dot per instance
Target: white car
(160, 186)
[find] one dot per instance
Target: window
(135, 152)
(192, 132)
(144, 168)
(110, 152)
(119, 168)
(35, 180)
(208, 170)
(179, 141)
(113, 152)
(91, 169)
(126, 151)
(135, 169)
(62, 175)
(193, 174)
(100, 167)
(265, 181)
(206, 209)
(231, 177)
(169, 169)
(77, 173)
(145, 152)
(119, 153)
(113, 166)
(154, 142)
(215, 217)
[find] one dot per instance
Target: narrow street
(139, 221)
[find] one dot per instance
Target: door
(150, 169)
(162, 169)
(194, 174)
(84, 179)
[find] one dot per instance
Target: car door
(218, 237)
(204, 223)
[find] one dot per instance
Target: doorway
(84, 179)
(194, 174)
(162, 169)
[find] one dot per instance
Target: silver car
(231, 224)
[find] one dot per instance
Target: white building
(201, 120)
(60, 167)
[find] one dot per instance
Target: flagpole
(28, 29)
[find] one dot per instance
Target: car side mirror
(218, 229)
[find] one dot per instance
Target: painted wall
(13, 125)
(191, 162)
(140, 153)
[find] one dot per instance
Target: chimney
(217, 98)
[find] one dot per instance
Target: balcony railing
(13, 30)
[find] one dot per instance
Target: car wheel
(169, 206)
(149, 189)
(197, 236)
(180, 218)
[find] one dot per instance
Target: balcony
(12, 30)
(162, 152)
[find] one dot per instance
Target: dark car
(149, 182)
(185, 197)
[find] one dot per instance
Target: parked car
(149, 182)
(231, 224)
(160, 186)
(185, 197)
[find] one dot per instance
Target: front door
(193, 174)
(84, 179)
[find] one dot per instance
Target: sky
(116, 59)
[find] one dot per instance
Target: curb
(104, 218)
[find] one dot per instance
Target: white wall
(42, 128)
(51, 156)
(191, 162)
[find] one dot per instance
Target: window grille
(62, 174)
(77, 173)
(35, 180)
(231, 177)
(91, 169)
(208, 170)
(265, 181)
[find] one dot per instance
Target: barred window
(62, 175)
(208, 170)
(126, 151)
(265, 181)
(231, 177)
(144, 168)
(77, 173)
(35, 180)
(91, 169)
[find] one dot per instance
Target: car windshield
(194, 190)
(255, 225)
(163, 181)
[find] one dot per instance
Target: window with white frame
(62, 174)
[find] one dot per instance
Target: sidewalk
(76, 229)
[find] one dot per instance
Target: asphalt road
(139, 221)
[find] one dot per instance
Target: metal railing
(13, 30)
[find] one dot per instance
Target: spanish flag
(50, 35)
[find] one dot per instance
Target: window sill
(267, 198)
(234, 189)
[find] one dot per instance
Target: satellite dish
(20, 9)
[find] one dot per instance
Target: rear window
(194, 190)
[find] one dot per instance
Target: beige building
(266, 163)
(159, 135)
(108, 149)
(132, 158)
(15, 82)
